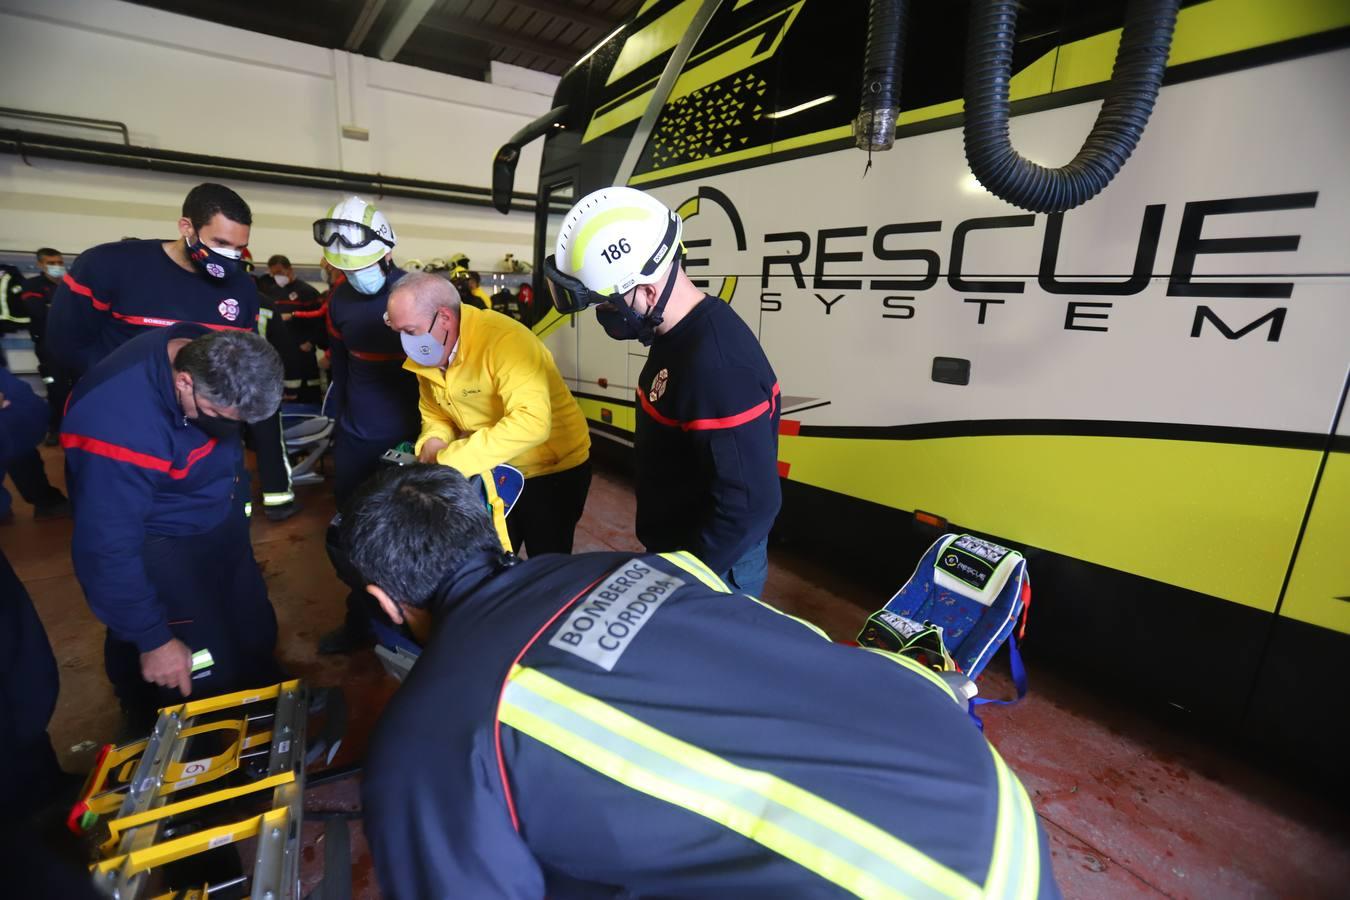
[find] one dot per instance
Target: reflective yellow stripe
(279, 499)
(696, 567)
(926, 672)
(1015, 865)
(818, 835)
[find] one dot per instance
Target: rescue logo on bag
(968, 567)
(603, 625)
(228, 308)
(659, 385)
(990, 553)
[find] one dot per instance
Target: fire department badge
(659, 385)
(229, 309)
(215, 270)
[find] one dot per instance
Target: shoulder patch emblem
(229, 309)
(659, 384)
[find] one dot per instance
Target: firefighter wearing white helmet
(358, 239)
(372, 397)
(708, 400)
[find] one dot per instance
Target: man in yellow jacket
(490, 393)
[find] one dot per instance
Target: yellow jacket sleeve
(436, 422)
(518, 367)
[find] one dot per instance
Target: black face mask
(213, 265)
(622, 323)
(218, 427)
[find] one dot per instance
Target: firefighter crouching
(621, 723)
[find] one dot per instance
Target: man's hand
(3, 402)
(169, 665)
(306, 347)
(431, 449)
(286, 317)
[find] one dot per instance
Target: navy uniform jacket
(113, 292)
(376, 397)
(707, 439)
(663, 738)
(136, 468)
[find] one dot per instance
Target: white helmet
(354, 235)
(616, 238)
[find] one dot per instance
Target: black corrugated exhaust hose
(874, 128)
(1135, 80)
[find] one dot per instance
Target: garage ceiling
(460, 37)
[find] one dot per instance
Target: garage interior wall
(188, 85)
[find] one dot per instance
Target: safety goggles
(568, 293)
(352, 235)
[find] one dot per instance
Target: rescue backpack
(964, 600)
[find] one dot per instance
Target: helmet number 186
(614, 251)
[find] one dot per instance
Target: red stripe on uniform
(156, 322)
(83, 291)
(127, 455)
(376, 357)
(741, 418)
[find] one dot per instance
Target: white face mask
(281, 280)
(425, 349)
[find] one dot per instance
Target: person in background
(23, 463)
(491, 394)
(708, 400)
(115, 291)
(624, 725)
(476, 288)
(37, 298)
(161, 544)
(296, 302)
(459, 277)
(373, 398)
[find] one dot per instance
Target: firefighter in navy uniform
(37, 297)
(606, 725)
(374, 399)
(707, 426)
(161, 544)
(289, 295)
(115, 291)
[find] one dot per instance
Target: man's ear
(391, 609)
(184, 226)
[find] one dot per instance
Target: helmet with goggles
(611, 241)
(354, 234)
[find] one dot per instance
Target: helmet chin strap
(656, 315)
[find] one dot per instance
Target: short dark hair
(473, 276)
(46, 251)
(276, 259)
(206, 199)
(409, 527)
(236, 369)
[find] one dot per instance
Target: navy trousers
(215, 599)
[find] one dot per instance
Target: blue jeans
(748, 574)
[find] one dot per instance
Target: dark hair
(205, 200)
(277, 259)
(46, 251)
(408, 527)
(236, 369)
(473, 276)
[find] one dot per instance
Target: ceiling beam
(370, 11)
(567, 11)
(404, 24)
(502, 38)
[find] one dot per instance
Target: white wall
(189, 85)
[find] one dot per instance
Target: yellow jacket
(501, 400)
(483, 295)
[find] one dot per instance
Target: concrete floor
(1133, 808)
